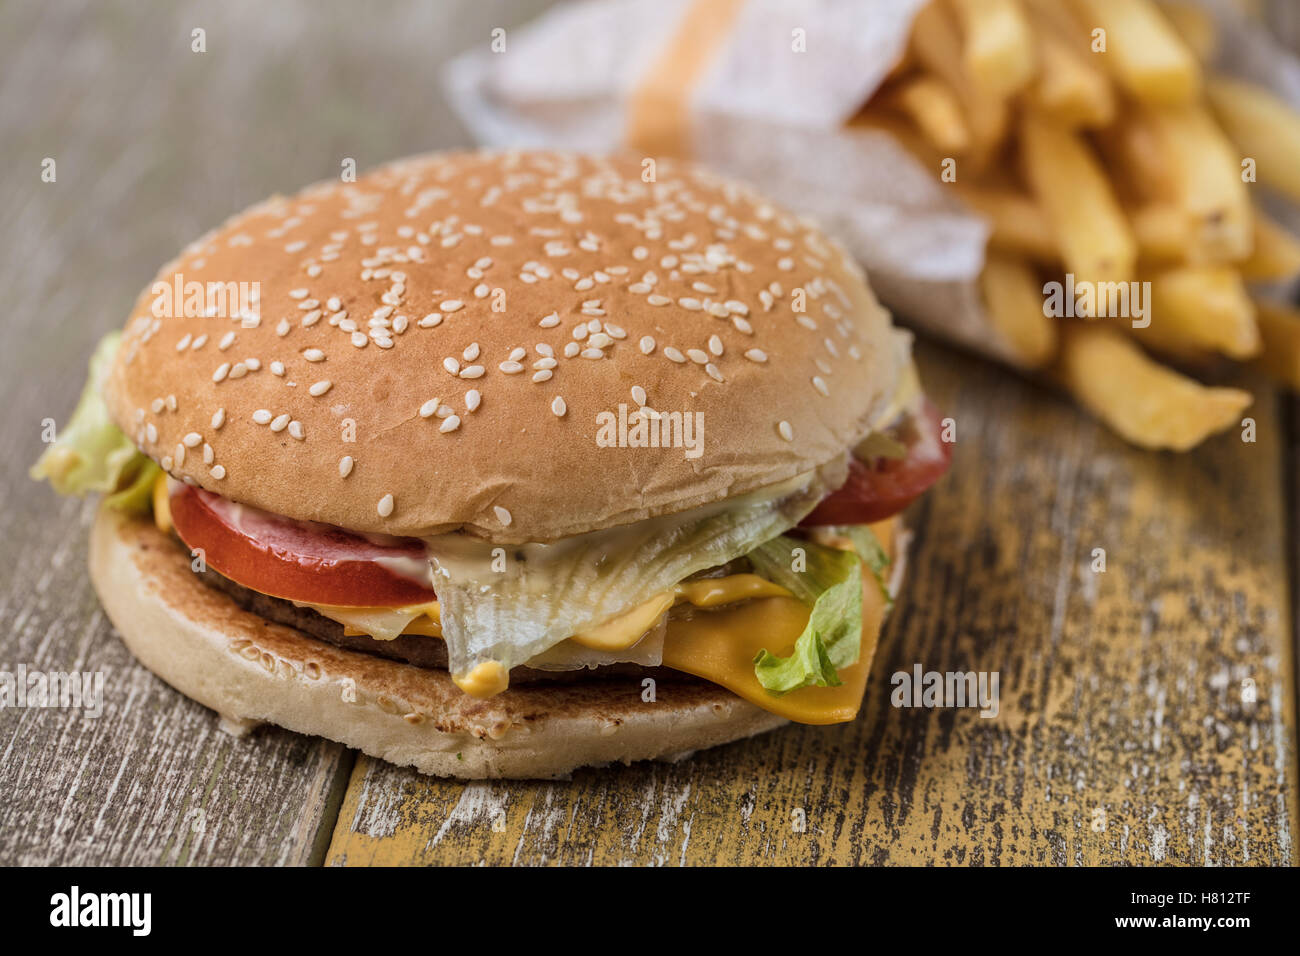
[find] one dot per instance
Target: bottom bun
(251, 671)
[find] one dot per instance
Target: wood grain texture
(1120, 691)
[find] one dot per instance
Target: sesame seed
(451, 305)
(313, 355)
(345, 466)
(320, 388)
(192, 440)
(713, 372)
(218, 472)
(820, 384)
(472, 399)
(157, 405)
(647, 344)
(698, 356)
(673, 355)
(693, 305)
(430, 320)
(280, 423)
(428, 409)
(449, 424)
(511, 368)
(222, 371)
(208, 454)
(592, 354)
(638, 394)
(227, 340)
(295, 429)
(238, 370)
(184, 343)
(546, 362)
(359, 339)
(715, 345)
(784, 429)
(657, 299)
(472, 371)
(502, 514)
(543, 376)
(262, 417)
(558, 406)
(218, 418)
(277, 368)
(180, 455)
(756, 355)
(385, 506)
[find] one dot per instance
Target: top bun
(446, 329)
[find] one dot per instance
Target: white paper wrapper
(778, 119)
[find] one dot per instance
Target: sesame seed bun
(250, 671)
(409, 367)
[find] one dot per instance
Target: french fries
(1194, 26)
(1019, 224)
(1069, 88)
(1070, 184)
(1114, 175)
(1142, 51)
(1013, 297)
(1279, 327)
(1202, 309)
(931, 104)
(1276, 256)
(999, 50)
(1263, 128)
(1143, 401)
(937, 45)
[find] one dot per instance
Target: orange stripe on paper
(659, 109)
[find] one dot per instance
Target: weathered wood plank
(1120, 691)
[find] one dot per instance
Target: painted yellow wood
(1125, 734)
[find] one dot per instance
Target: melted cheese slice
(720, 646)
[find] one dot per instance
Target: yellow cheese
(484, 680)
(626, 629)
(162, 505)
(720, 647)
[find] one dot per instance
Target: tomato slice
(301, 560)
(883, 487)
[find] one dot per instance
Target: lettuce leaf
(829, 580)
(873, 555)
(91, 453)
(512, 610)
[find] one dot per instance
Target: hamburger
(500, 464)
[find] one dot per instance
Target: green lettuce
(93, 454)
(873, 555)
(829, 581)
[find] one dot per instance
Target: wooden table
(1125, 733)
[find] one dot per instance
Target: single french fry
(1276, 256)
(1143, 52)
(1143, 401)
(1013, 299)
(931, 104)
(1201, 309)
(936, 44)
(1135, 155)
(1204, 173)
(1162, 231)
(1019, 225)
(998, 47)
(1279, 327)
(1069, 183)
(1195, 27)
(1068, 87)
(1263, 127)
